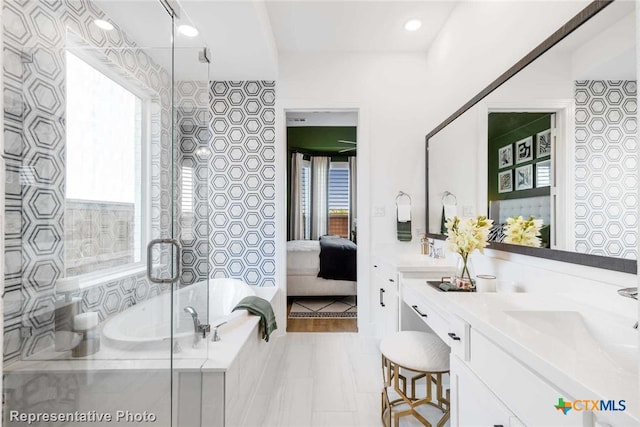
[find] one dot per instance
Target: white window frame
(88, 280)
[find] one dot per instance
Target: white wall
(394, 92)
(407, 95)
(475, 32)
(482, 39)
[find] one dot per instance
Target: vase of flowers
(463, 238)
(519, 231)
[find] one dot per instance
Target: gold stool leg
(394, 378)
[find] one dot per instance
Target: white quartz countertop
(559, 337)
(416, 262)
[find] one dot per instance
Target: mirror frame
(598, 261)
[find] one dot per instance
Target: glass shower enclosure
(106, 125)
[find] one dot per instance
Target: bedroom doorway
(322, 229)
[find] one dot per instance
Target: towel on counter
(260, 307)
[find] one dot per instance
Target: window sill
(91, 280)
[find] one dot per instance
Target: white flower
(523, 232)
(465, 236)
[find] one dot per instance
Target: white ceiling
(356, 26)
(245, 37)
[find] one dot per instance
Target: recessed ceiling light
(412, 24)
(188, 30)
(105, 25)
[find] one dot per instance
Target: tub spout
(198, 328)
(194, 315)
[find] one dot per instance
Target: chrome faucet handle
(216, 334)
(629, 293)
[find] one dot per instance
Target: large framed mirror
(554, 138)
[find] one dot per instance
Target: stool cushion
(418, 351)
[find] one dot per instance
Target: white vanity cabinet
(489, 387)
(386, 274)
(385, 298)
(472, 403)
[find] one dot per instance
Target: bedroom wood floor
(320, 324)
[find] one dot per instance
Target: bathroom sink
(609, 340)
(419, 260)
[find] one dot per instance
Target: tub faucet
(630, 293)
(198, 328)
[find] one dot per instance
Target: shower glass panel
(105, 151)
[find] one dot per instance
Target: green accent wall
(508, 128)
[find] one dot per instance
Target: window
(104, 157)
(339, 199)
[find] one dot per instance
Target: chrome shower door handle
(177, 273)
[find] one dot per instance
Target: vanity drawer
(530, 397)
(459, 334)
(431, 316)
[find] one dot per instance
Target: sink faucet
(198, 327)
(630, 293)
(433, 252)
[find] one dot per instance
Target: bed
(304, 266)
(539, 207)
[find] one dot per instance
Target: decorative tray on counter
(444, 285)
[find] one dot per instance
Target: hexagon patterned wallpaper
(606, 190)
(225, 158)
(193, 119)
(242, 184)
(35, 35)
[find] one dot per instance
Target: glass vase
(464, 276)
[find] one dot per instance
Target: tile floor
(321, 380)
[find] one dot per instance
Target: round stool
(427, 356)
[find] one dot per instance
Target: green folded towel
(260, 307)
(404, 231)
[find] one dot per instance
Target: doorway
(521, 175)
(322, 222)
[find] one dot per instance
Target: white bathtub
(147, 326)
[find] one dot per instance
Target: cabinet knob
(391, 280)
(454, 336)
(375, 266)
(382, 291)
(498, 425)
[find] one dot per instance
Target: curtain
(319, 196)
(353, 197)
(296, 221)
